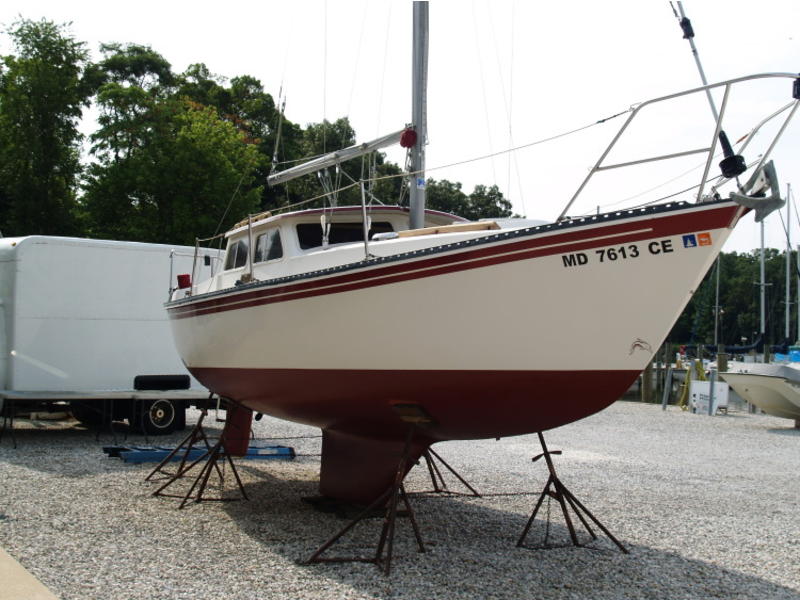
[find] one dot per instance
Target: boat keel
(358, 469)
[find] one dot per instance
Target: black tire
(157, 417)
(88, 413)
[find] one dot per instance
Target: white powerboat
(772, 387)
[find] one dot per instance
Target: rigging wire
(407, 174)
(324, 74)
(510, 121)
(358, 58)
(230, 203)
(529, 144)
(508, 100)
(477, 38)
(383, 70)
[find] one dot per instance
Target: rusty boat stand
(439, 485)
(210, 458)
(558, 491)
(390, 499)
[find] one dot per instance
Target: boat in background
(772, 387)
(358, 320)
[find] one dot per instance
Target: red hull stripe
(463, 404)
(535, 246)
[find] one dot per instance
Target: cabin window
(237, 254)
(309, 235)
(268, 246)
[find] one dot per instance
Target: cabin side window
(268, 246)
(309, 235)
(237, 254)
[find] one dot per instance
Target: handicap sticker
(689, 241)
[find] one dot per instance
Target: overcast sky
(502, 74)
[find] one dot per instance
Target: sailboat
(360, 320)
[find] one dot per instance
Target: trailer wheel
(86, 413)
(157, 417)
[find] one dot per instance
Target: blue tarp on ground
(141, 454)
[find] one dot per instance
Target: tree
(445, 196)
(43, 90)
(135, 79)
(169, 168)
(191, 177)
(482, 203)
(739, 302)
(246, 105)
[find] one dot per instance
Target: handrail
(598, 166)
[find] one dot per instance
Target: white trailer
(82, 322)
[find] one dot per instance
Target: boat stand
(8, 411)
(187, 444)
(390, 498)
(211, 456)
(558, 491)
(439, 485)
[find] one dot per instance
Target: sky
(502, 74)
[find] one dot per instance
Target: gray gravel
(708, 507)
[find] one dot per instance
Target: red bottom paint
(363, 436)
(238, 421)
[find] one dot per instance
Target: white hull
(609, 315)
(774, 388)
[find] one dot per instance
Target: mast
(788, 261)
(763, 296)
(419, 88)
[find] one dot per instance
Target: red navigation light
(184, 281)
(408, 138)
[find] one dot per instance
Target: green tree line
(174, 156)
(739, 301)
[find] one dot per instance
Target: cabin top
(432, 217)
(273, 237)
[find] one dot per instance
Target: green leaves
(176, 181)
(42, 93)
(482, 203)
(739, 301)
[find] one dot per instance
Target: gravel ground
(708, 507)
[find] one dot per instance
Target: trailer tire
(86, 413)
(157, 417)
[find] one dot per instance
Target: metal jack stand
(559, 492)
(390, 498)
(187, 444)
(8, 411)
(439, 485)
(211, 456)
